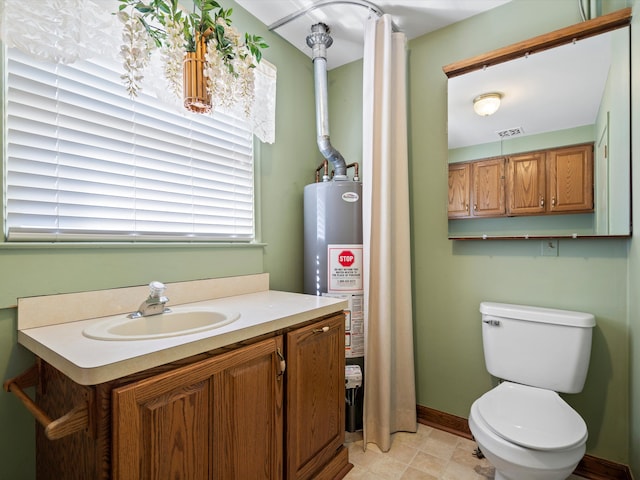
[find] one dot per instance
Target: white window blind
(85, 162)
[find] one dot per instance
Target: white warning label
(354, 324)
(344, 268)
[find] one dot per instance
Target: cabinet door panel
(248, 416)
(176, 427)
(315, 396)
(571, 179)
(459, 186)
(488, 188)
(162, 426)
(526, 183)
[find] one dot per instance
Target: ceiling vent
(510, 132)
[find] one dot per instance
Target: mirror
(577, 92)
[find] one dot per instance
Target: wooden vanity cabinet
(558, 180)
(220, 415)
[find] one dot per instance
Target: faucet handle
(156, 289)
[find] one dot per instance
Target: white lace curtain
(66, 31)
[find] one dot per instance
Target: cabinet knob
(553, 201)
(541, 201)
(321, 330)
(475, 206)
(466, 207)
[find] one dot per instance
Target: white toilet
(522, 426)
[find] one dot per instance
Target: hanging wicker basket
(196, 97)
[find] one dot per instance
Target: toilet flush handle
(493, 323)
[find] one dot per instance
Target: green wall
(451, 278)
(283, 170)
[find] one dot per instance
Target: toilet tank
(540, 347)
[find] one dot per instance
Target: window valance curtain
(65, 31)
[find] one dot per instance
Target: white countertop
(89, 362)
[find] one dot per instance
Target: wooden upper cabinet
(488, 192)
(570, 179)
(459, 189)
(476, 189)
(558, 180)
(526, 174)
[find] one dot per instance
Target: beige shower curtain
(389, 390)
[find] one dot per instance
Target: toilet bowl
(522, 426)
(528, 433)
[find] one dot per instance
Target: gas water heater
(333, 237)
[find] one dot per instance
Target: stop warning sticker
(344, 268)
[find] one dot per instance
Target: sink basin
(178, 322)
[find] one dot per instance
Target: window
(85, 162)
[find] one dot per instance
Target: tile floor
(429, 454)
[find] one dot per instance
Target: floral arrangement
(229, 62)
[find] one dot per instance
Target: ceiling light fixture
(487, 103)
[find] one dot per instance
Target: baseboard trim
(590, 467)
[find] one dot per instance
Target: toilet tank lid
(538, 314)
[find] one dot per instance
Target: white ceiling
(547, 91)
(345, 19)
(568, 84)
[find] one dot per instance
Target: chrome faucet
(154, 304)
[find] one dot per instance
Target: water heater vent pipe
(319, 40)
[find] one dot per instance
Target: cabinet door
(526, 174)
(459, 186)
(216, 419)
(315, 396)
(488, 188)
(570, 175)
(247, 414)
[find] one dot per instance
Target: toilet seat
(531, 417)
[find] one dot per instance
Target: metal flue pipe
(319, 40)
